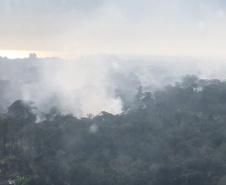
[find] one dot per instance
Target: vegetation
(175, 136)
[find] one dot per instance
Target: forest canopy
(172, 136)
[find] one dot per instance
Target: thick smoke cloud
(78, 87)
(94, 83)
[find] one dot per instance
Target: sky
(71, 28)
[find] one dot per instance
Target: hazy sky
(81, 27)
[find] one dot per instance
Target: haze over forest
(110, 92)
(94, 83)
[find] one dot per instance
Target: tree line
(174, 136)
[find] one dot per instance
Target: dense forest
(175, 136)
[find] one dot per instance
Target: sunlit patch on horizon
(13, 54)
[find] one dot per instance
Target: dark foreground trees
(175, 136)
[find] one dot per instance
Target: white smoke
(96, 83)
(79, 87)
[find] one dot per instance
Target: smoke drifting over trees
(173, 135)
(94, 83)
(125, 111)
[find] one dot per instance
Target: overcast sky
(81, 27)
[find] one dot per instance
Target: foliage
(175, 136)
